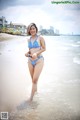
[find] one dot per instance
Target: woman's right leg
(34, 86)
(31, 70)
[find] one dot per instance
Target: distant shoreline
(5, 36)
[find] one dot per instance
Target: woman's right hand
(26, 54)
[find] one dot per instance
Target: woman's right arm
(27, 54)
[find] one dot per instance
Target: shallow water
(58, 96)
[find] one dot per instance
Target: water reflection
(27, 105)
(25, 111)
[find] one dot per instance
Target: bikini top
(34, 44)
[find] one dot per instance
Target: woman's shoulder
(41, 37)
(28, 39)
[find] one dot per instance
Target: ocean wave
(76, 60)
(74, 45)
(73, 81)
(78, 42)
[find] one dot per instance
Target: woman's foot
(29, 100)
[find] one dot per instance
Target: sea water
(58, 96)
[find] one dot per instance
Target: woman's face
(33, 30)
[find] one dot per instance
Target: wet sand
(5, 37)
(58, 96)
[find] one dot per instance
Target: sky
(64, 17)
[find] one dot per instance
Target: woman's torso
(34, 45)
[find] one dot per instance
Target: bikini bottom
(33, 62)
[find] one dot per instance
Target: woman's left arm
(43, 46)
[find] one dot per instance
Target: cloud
(8, 3)
(26, 15)
(72, 7)
(63, 17)
(62, 12)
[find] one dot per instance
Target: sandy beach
(58, 96)
(5, 37)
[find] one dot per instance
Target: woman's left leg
(37, 70)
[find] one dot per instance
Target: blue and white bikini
(35, 44)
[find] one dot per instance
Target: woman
(36, 46)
